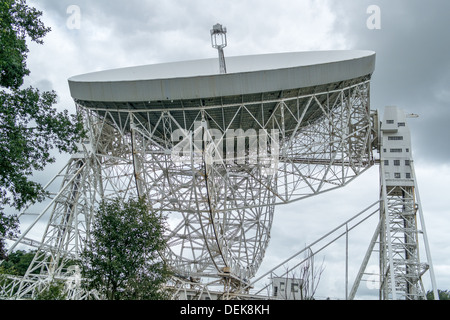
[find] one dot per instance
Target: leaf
(122, 258)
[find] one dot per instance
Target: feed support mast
(400, 267)
(219, 41)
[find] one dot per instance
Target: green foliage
(18, 262)
(8, 227)
(29, 126)
(17, 21)
(443, 295)
(122, 260)
(55, 291)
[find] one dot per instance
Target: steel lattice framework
(217, 167)
(220, 211)
(401, 269)
(400, 264)
(401, 226)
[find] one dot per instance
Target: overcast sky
(412, 72)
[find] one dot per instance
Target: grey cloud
(174, 30)
(413, 64)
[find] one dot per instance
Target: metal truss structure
(219, 206)
(401, 222)
(217, 168)
(401, 269)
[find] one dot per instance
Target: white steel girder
(219, 208)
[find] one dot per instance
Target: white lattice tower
(401, 269)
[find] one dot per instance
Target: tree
(18, 262)
(302, 281)
(55, 291)
(122, 259)
(443, 295)
(8, 228)
(30, 127)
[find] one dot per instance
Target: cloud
(173, 30)
(412, 72)
(113, 34)
(413, 65)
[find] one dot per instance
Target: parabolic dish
(222, 213)
(200, 79)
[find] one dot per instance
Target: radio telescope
(283, 111)
(215, 149)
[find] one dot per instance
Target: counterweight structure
(401, 223)
(400, 267)
(215, 153)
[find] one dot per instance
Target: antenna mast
(219, 41)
